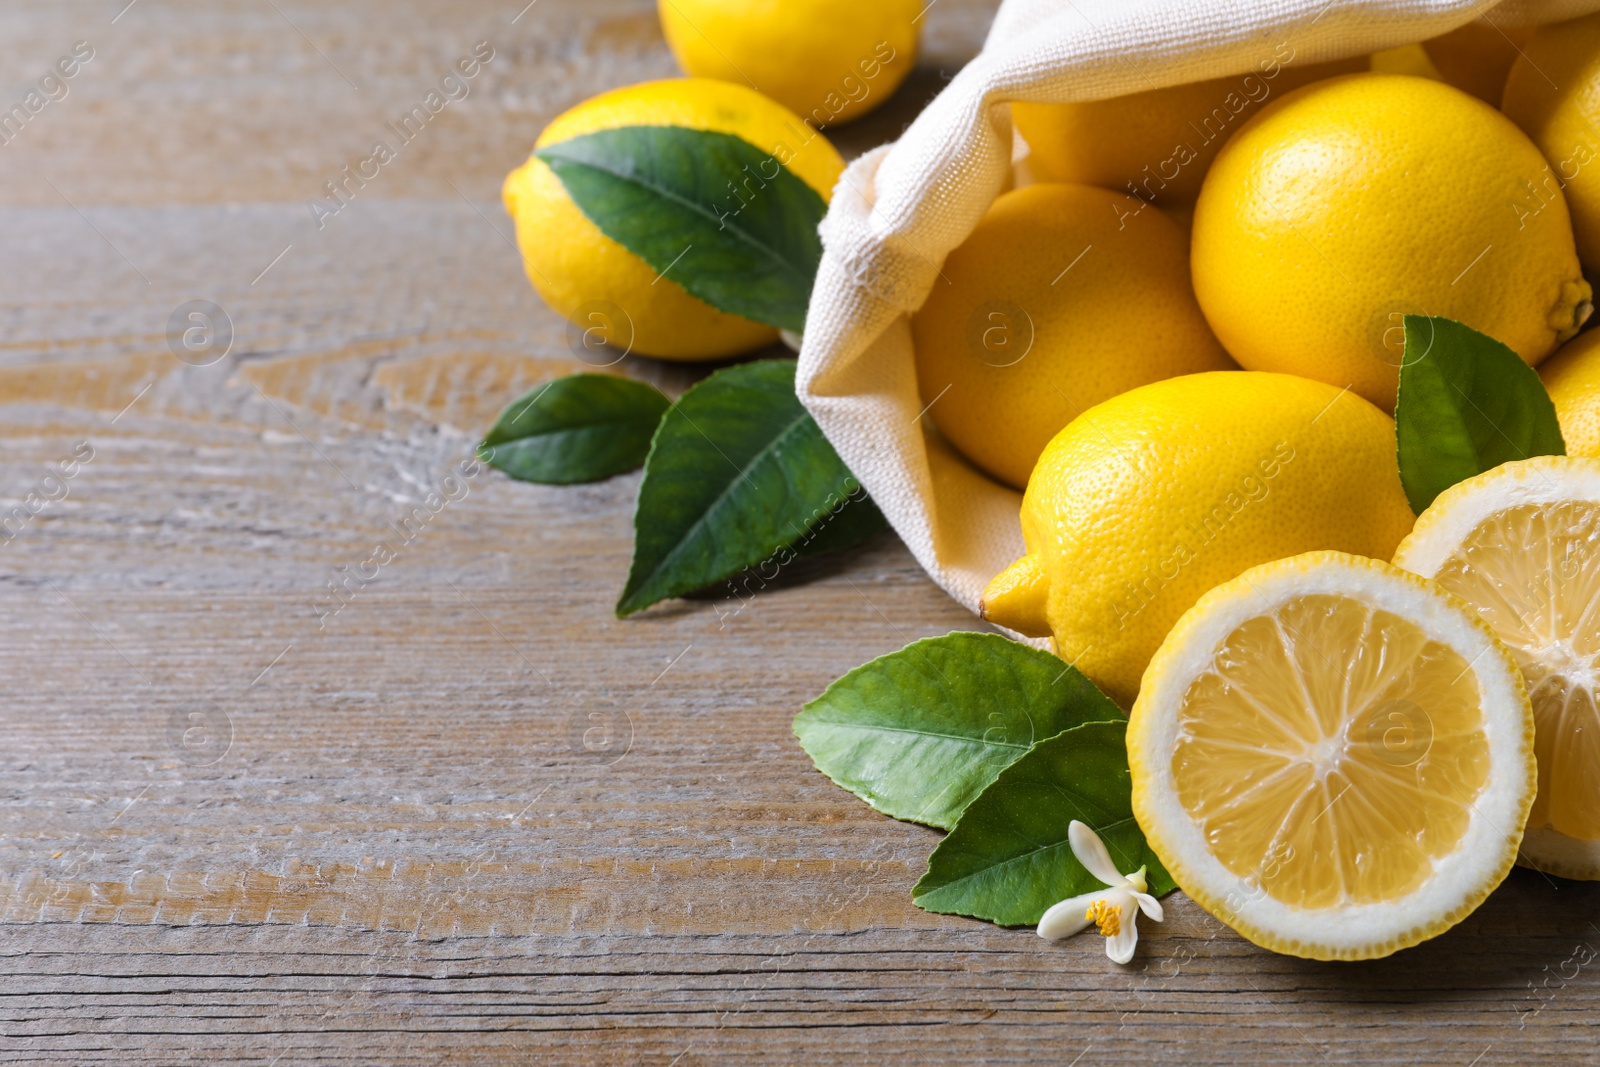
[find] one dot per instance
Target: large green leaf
(737, 474)
(921, 732)
(1467, 404)
(711, 211)
(581, 428)
(1008, 859)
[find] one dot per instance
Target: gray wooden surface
(471, 817)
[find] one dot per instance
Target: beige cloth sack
(899, 210)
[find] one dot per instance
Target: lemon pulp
(1331, 752)
(1530, 572)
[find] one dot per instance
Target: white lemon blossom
(1112, 910)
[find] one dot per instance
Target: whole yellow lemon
(828, 60)
(1572, 377)
(1156, 144)
(1553, 93)
(1353, 202)
(599, 285)
(1062, 297)
(1150, 499)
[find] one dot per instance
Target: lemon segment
(1521, 544)
(1275, 750)
(1333, 756)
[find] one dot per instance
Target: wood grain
(470, 817)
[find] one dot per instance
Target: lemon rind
(1459, 510)
(1550, 851)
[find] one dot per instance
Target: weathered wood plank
(469, 816)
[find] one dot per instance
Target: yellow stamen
(1106, 917)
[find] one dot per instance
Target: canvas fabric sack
(900, 209)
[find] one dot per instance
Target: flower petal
(1091, 852)
(1150, 906)
(1067, 917)
(1120, 946)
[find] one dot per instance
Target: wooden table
(471, 817)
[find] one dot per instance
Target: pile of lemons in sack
(1182, 340)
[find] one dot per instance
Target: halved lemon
(1333, 756)
(1521, 544)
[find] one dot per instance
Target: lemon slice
(1333, 756)
(1521, 544)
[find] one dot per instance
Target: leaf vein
(873, 727)
(632, 178)
(695, 528)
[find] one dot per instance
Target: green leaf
(855, 520)
(1008, 859)
(738, 471)
(719, 216)
(581, 428)
(1467, 404)
(921, 732)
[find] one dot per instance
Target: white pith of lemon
(1521, 545)
(1333, 756)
